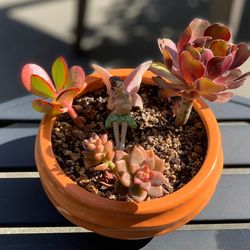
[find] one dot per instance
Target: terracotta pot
(128, 220)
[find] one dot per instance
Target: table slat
(188, 240)
(236, 143)
(230, 111)
(23, 202)
(19, 109)
(17, 148)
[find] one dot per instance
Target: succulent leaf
(76, 78)
(60, 72)
(126, 179)
(150, 162)
(218, 31)
(219, 97)
(43, 106)
(104, 138)
(155, 191)
(137, 194)
(159, 164)
(143, 185)
(219, 47)
(238, 81)
(67, 96)
(184, 38)
(32, 69)
(121, 166)
(167, 93)
(136, 156)
(101, 167)
(206, 55)
(202, 41)
(192, 50)
(119, 155)
(169, 52)
(242, 54)
(157, 179)
(198, 26)
(41, 88)
(217, 66)
(191, 68)
(206, 86)
(133, 167)
(161, 70)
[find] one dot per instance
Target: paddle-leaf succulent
(66, 86)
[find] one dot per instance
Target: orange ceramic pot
(128, 220)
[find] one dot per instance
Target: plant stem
(183, 112)
(74, 116)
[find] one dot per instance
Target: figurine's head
(116, 83)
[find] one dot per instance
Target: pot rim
(151, 206)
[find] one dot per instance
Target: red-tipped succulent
(99, 153)
(202, 64)
(67, 84)
(141, 171)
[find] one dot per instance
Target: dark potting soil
(183, 148)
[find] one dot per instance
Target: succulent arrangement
(203, 63)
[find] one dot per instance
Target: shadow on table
(18, 154)
(73, 241)
(126, 38)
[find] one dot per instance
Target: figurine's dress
(121, 105)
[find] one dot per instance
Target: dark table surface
(29, 221)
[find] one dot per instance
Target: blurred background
(112, 33)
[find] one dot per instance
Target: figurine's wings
(133, 81)
(105, 76)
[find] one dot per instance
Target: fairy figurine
(122, 97)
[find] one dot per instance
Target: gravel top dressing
(183, 148)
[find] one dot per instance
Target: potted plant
(110, 155)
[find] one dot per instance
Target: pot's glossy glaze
(127, 220)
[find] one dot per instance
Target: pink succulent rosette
(99, 153)
(203, 63)
(142, 172)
